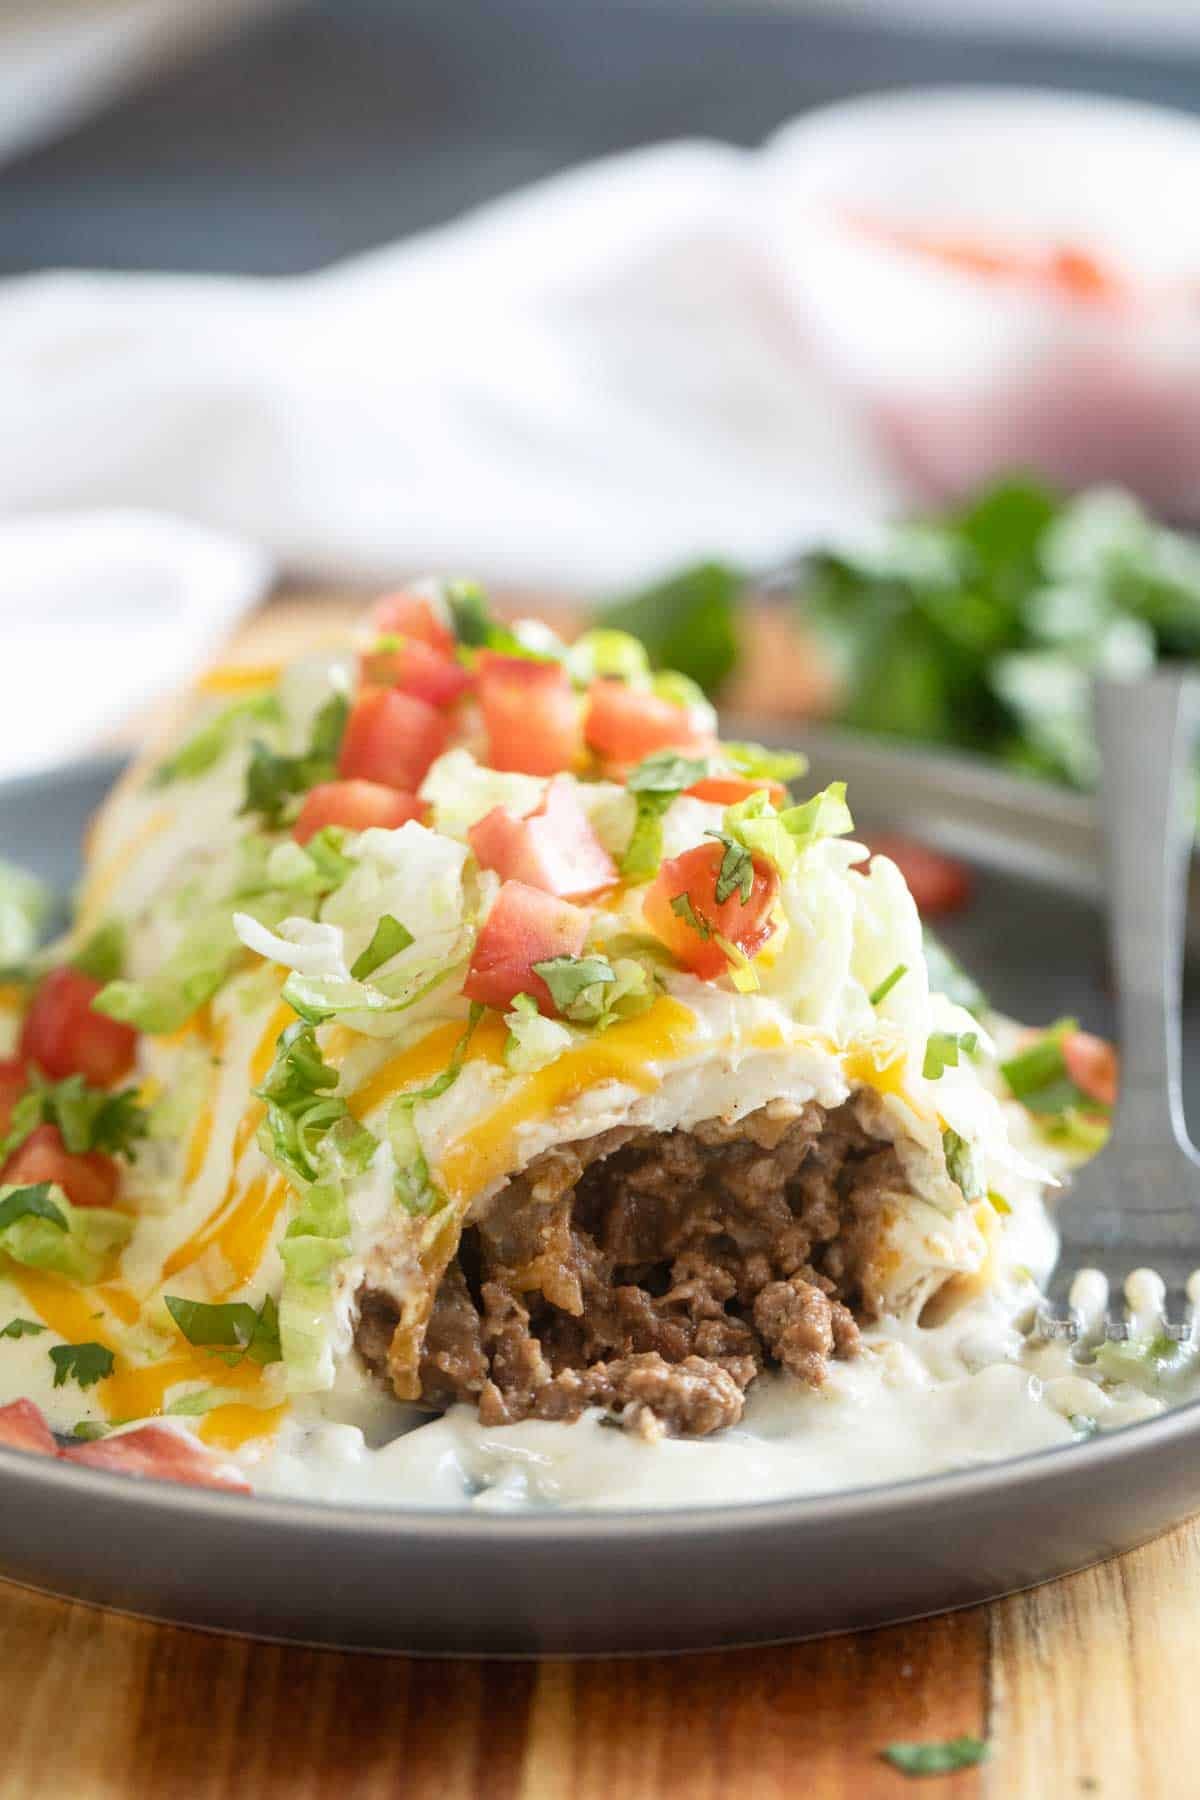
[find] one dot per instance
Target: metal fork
(1136, 1206)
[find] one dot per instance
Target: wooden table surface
(1089, 1685)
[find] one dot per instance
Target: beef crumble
(655, 1274)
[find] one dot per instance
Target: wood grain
(102, 1706)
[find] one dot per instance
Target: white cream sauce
(918, 1400)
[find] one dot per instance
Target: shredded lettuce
(1037, 1076)
(303, 1111)
(533, 1040)
(780, 838)
(415, 1188)
(963, 1165)
(943, 1050)
(757, 763)
(311, 1134)
(388, 939)
(102, 956)
(25, 905)
(591, 990)
(205, 749)
(655, 783)
(613, 653)
(272, 779)
(193, 972)
(41, 1229)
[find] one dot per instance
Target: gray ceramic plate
(581, 1583)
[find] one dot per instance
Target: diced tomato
(416, 668)
(747, 925)
(554, 849)
(14, 1079)
(160, 1453)
(938, 884)
(727, 790)
(624, 724)
(22, 1427)
(1093, 1066)
(63, 1036)
(412, 616)
(88, 1180)
(529, 713)
(391, 738)
(525, 926)
(355, 806)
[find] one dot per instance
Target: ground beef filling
(657, 1274)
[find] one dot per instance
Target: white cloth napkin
(100, 614)
(581, 385)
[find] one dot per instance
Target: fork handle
(1146, 730)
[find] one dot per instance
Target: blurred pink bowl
(1003, 279)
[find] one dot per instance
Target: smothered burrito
(454, 1022)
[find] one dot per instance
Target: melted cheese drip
(425, 1060)
(625, 1053)
(240, 1230)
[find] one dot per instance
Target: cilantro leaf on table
(936, 1758)
(19, 1328)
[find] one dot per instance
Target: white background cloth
(581, 385)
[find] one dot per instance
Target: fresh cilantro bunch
(980, 629)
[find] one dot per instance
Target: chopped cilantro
(236, 1325)
(887, 984)
(943, 1050)
(683, 909)
(19, 1328)
(937, 1758)
(568, 977)
(667, 772)
(85, 1364)
(736, 873)
(88, 1118)
(388, 939)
